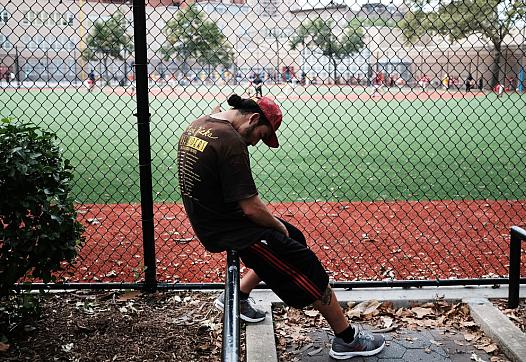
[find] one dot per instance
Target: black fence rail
(402, 146)
(517, 236)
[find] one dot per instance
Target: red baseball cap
(274, 116)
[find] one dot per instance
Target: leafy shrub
(38, 225)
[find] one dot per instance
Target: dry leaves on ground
(293, 326)
(517, 315)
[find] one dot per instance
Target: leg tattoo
(326, 297)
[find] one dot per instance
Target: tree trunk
(106, 70)
(335, 71)
(495, 71)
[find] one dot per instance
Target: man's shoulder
(216, 129)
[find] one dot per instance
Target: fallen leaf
(469, 337)
(469, 324)
(421, 312)
(476, 358)
(387, 322)
(311, 313)
(365, 308)
(184, 240)
(128, 295)
(67, 347)
(491, 348)
(314, 352)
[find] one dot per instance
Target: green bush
(38, 223)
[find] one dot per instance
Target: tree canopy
(319, 33)
(457, 19)
(190, 36)
(108, 39)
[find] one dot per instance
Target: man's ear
(254, 118)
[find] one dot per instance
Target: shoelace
(366, 335)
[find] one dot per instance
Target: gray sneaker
(364, 344)
(246, 311)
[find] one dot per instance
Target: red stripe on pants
(297, 278)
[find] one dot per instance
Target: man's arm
(257, 211)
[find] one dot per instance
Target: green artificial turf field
(330, 150)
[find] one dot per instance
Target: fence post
(145, 159)
(517, 235)
(231, 309)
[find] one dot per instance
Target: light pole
(82, 45)
(275, 34)
(17, 67)
(125, 66)
(521, 72)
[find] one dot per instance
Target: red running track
(354, 240)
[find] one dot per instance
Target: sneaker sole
(347, 355)
(221, 306)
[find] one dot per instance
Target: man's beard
(247, 134)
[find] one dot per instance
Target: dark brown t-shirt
(214, 174)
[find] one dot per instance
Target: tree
(458, 19)
(190, 36)
(108, 39)
(319, 33)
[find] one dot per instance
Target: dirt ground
(184, 326)
(517, 316)
(116, 326)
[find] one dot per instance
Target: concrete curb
(260, 340)
(498, 327)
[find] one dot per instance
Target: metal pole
(231, 312)
(145, 160)
(516, 236)
(17, 67)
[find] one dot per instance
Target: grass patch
(331, 150)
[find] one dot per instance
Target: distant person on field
(258, 85)
(91, 80)
(470, 83)
(445, 81)
(377, 83)
(424, 82)
(224, 208)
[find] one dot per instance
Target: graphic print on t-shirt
(192, 143)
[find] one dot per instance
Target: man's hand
(257, 211)
(283, 229)
(216, 109)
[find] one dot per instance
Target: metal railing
(231, 329)
(517, 236)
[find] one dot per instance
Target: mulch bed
(116, 326)
(354, 240)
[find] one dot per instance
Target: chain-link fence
(403, 143)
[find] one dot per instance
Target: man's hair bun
(234, 101)
(244, 105)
